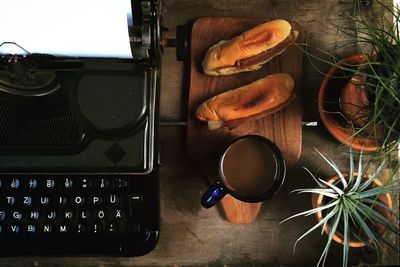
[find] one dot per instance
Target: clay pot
(354, 101)
(352, 97)
(317, 200)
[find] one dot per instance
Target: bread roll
(250, 50)
(251, 101)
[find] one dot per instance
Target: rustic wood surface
(193, 236)
(283, 127)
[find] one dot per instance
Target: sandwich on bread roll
(262, 97)
(250, 50)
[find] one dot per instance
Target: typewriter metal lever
(33, 74)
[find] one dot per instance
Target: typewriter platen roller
(79, 148)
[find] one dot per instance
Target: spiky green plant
(349, 205)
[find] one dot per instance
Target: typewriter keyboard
(57, 206)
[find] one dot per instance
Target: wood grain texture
(193, 236)
(282, 127)
(317, 22)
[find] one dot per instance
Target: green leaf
(363, 225)
(314, 178)
(317, 191)
(337, 189)
(312, 211)
(330, 237)
(345, 237)
(373, 192)
(374, 176)
(380, 204)
(333, 165)
(351, 174)
(324, 219)
(359, 175)
(376, 217)
(351, 205)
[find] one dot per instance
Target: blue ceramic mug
(251, 168)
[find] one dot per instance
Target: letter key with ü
(79, 111)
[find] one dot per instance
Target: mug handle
(213, 194)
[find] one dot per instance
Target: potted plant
(359, 99)
(344, 106)
(353, 208)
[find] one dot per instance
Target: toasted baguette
(250, 50)
(262, 97)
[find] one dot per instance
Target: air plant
(350, 204)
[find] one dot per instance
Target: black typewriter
(79, 149)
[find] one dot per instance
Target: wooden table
(192, 235)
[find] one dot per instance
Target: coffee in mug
(251, 169)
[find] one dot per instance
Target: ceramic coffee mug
(251, 169)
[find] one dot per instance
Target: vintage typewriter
(78, 146)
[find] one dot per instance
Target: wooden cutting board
(283, 127)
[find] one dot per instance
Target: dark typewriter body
(79, 156)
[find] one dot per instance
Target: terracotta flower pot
(343, 133)
(354, 101)
(317, 200)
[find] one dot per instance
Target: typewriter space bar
(106, 246)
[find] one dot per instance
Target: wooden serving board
(283, 127)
